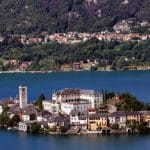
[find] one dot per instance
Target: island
(75, 111)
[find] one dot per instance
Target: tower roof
(22, 85)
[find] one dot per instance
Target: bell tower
(23, 96)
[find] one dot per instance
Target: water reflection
(21, 141)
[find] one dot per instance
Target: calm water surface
(136, 82)
(20, 141)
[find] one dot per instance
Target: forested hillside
(34, 16)
(54, 55)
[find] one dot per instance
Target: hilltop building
(76, 95)
(68, 99)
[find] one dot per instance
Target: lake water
(19, 141)
(136, 82)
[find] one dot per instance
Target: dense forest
(53, 55)
(34, 16)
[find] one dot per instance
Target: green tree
(129, 103)
(35, 128)
(143, 128)
(110, 95)
(14, 121)
(4, 120)
(1, 61)
(63, 129)
(5, 109)
(39, 101)
(115, 126)
(133, 125)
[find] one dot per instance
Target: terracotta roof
(68, 91)
(91, 109)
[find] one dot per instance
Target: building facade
(117, 118)
(51, 106)
(67, 107)
(58, 121)
(78, 120)
(97, 121)
(132, 117)
(145, 117)
(76, 95)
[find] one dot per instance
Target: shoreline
(3, 72)
(88, 133)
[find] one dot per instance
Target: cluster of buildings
(67, 100)
(16, 64)
(122, 37)
(73, 109)
(77, 37)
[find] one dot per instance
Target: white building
(51, 106)
(75, 95)
(23, 96)
(67, 107)
(25, 117)
(39, 118)
(23, 126)
(29, 113)
(118, 118)
(43, 116)
(78, 120)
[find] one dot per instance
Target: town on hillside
(122, 31)
(43, 57)
(75, 111)
(18, 60)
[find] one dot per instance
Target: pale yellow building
(97, 121)
(134, 116)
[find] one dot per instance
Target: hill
(53, 55)
(34, 16)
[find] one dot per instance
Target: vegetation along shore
(90, 55)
